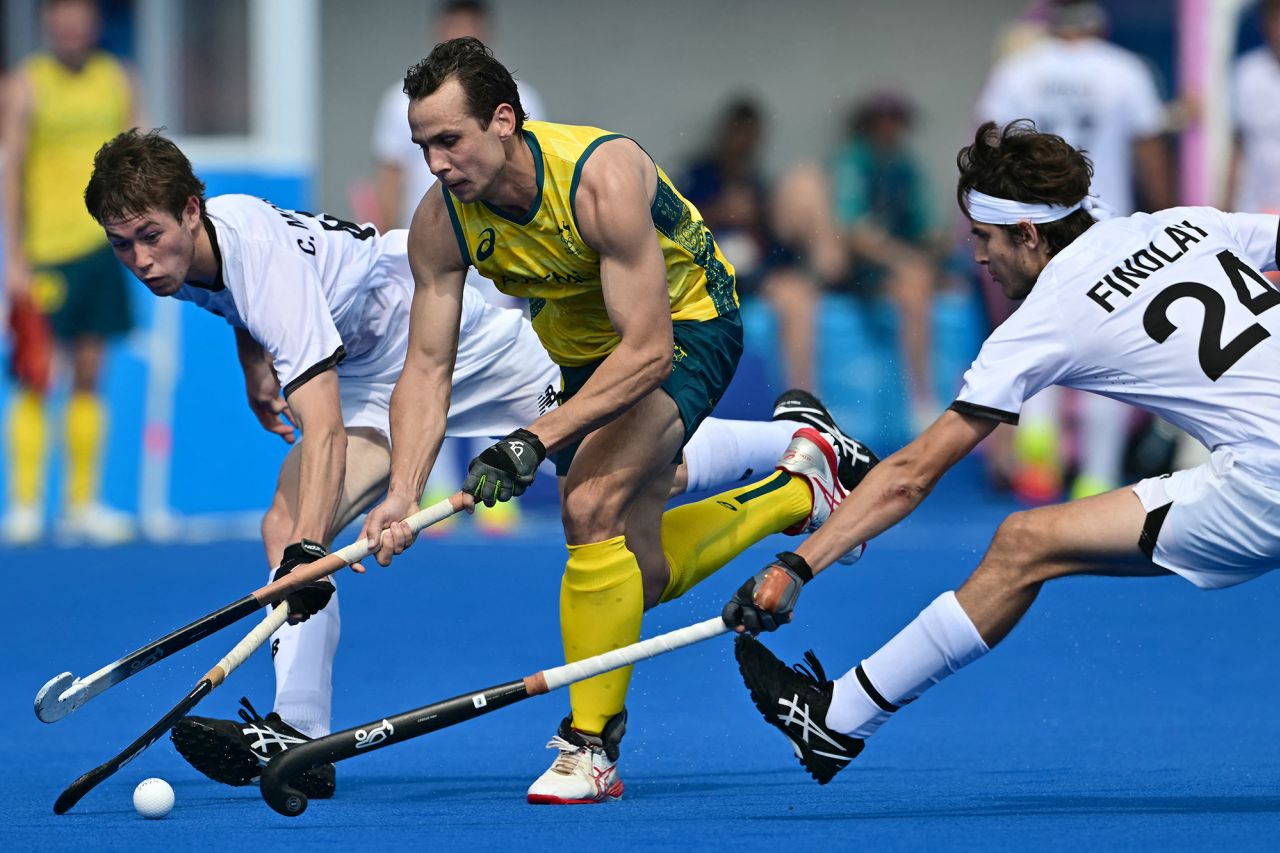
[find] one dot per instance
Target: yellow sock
(86, 428)
(28, 445)
(701, 537)
(601, 602)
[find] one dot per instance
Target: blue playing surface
(1120, 713)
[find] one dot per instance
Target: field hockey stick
(214, 677)
(296, 760)
(64, 693)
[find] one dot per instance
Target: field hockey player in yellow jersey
(60, 106)
(634, 301)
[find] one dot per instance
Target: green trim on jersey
(457, 226)
(536, 150)
(577, 174)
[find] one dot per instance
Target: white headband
(1003, 211)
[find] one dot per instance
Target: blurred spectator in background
(882, 210)
(61, 105)
(401, 179)
(1253, 181)
(728, 188)
(1103, 100)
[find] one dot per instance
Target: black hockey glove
(506, 469)
(310, 599)
(765, 602)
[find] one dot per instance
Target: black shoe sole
(222, 757)
(822, 770)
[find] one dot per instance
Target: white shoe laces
(570, 755)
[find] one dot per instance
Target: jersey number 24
(1216, 357)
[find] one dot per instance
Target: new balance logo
(374, 736)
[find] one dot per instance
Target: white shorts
(1216, 525)
(503, 380)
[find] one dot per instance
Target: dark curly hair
(1019, 163)
(486, 82)
(136, 172)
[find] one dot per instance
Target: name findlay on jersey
(1142, 263)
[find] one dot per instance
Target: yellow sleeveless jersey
(542, 256)
(73, 113)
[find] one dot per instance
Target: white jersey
(1097, 96)
(1167, 312)
(1255, 92)
(317, 292)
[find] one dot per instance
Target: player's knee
(1015, 547)
(589, 516)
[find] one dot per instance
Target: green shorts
(706, 355)
(84, 296)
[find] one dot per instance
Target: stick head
(51, 704)
(277, 791)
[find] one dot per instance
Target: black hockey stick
(214, 677)
(64, 693)
(296, 760)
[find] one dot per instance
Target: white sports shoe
(812, 455)
(96, 524)
(23, 525)
(585, 771)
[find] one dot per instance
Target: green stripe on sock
(771, 485)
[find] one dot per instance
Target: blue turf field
(1136, 714)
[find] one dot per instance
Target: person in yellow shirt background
(61, 104)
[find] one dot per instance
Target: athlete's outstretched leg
(1097, 535)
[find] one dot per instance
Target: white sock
(721, 452)
(1104, 428)
(938, 642)
(303, 658)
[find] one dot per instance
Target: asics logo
(832, 498)
(485, 247)
(269, 737)
(798, 717)
(374, 736)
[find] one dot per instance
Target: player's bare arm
(613, 202)
(889, 493)
(262, 387)
(17, 126)
(893, 489)
(317, 407)
(420, 403)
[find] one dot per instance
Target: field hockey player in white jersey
(320, 311)
(1169, 312)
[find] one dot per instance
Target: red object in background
(31, 358)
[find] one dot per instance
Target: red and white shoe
(585, 771)
(813, 455)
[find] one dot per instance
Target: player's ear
(191, 210)
(1028, 235)
(504, 119)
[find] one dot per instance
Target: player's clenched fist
(766, 601)
(306, 601)
(506, 469)
(385, 529)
